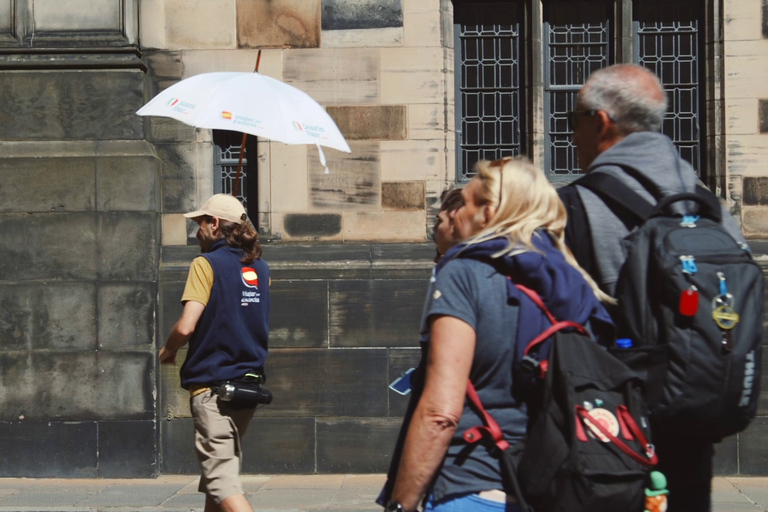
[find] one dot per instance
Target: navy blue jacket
(231, 337)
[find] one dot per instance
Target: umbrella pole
(236, 190)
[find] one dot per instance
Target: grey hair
(625, 92)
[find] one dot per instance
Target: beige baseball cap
(223, 206)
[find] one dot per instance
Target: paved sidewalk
(284, 493)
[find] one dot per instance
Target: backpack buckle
(530, 364)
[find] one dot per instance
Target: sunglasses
(573, 117)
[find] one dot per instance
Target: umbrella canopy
(250, 103)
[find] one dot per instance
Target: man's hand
(167, 356)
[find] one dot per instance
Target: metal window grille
(667, 42)
(226, 154)
(577, 41)
(488, 93)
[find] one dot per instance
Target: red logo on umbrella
(250, 277)
(226, 115)
(173, 101)
(298, 126)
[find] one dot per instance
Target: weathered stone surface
(412, 75)
(174, 229)
(127, 449)
(754, 221)
(403, 195)
(126, 315)
(48, 449)
(382, 122)
(312, 225)
(48, 246)
(395, 226)
(287, 170)
(322, 382)
(356, 446)
(763, 115)
(376, 313)
(299, 314)
(177, 451)
(46, 185)
(200, 24)
(353, 180)
(128, 246)
(75, 385)
(48, 315)
(362, 14)
(127, 183)
(765, 19)
(753, 448)
(178, 179)
(278, 23)
(755, 191)
(103, 15)
(335, 76)
(363, 37)
(279, 445)
(96, 105)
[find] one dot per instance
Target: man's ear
(215, 225)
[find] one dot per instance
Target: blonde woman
(512, 222)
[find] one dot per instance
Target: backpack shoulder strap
(617, 195)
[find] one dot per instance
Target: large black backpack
(587, 447)
(690, 299)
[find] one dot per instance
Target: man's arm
(437, 415)
(181, 331)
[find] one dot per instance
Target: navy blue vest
(231, 336)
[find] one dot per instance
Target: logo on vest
(250, 280)
(749, 379)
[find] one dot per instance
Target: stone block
(426, 122)
(755, 191)
(99, 105)
(174, 229)
(126, 315)
(127, 449)
(47, 185)
(127, 183)
(289, 167)
(382, 122)
(208, 61)
(385, 226)
(355, 446)
(298, 317)
(75, 385)
(200, 24)
(48, 315)
(48, 246)
(401, 360)
(362, 14)
(279, 445)
(166, 64)
(177, 451)
(48, 449)
(152, 25)
(742, 21)
(726, 460)
(403, 195)
(95, 15)
(352, 182)
(740, 115)
(181, 192)
(744, 64)
(412, 75)
(278, 23)
(753, 448)
(762, 115)
(413, 159)
(422, 27)
(322, 382)
(765, 19)
(128, 246)
(314, 226)
(368, 38)
(335, 76)
(375, 313)
(174, 400)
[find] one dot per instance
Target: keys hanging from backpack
(587, 447)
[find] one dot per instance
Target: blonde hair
(524, 201)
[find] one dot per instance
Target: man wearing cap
(225, 320)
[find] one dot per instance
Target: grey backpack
(690, 304)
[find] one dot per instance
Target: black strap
(617, 195)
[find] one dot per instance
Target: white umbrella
(250, 103)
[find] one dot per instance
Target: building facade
(96, 249)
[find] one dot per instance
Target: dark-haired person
(226, 322)
(445, 238)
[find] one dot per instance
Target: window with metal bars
(577, 38)
(227, 147)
